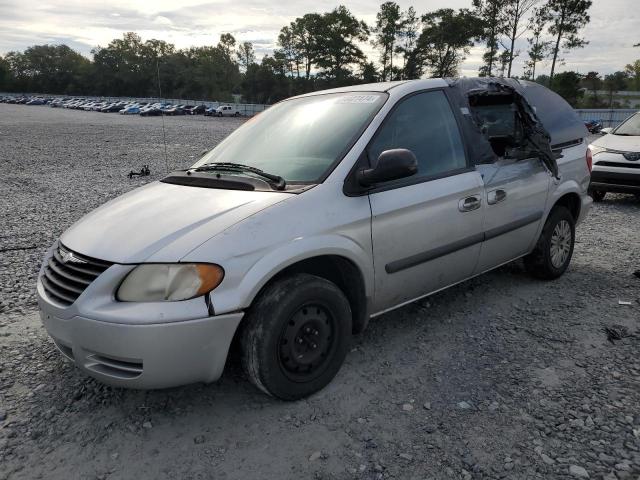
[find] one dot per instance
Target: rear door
(426, 229)
(515, 199)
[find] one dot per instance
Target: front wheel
(296, 336)
(554, 249)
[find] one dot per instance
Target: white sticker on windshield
(358, 99)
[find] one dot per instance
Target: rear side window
(424, 124)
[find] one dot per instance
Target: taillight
(589, 158)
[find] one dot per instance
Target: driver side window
(424, 124)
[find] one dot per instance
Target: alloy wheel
(560, 243)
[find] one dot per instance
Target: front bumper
(615, 182)
(144, 356)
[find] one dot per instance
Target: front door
(426, 229)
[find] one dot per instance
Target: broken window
(499, 121)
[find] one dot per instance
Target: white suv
(324, 211)
(616, 160)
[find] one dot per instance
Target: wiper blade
(277, 180)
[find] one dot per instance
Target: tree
(538, 48)
(514, 13)
(409, 31)
(387, 29)
(446, 38)
(288, 51)
(299, 43)
(614, 83)
(369, 72)
(593, 83)
(246, 55)
(567, 18)
(633, 71)
(5, 75)
(47, 69)
(339, 35)
(226, 44)
(567, 85)
(493, 26)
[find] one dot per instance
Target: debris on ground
(616, 332)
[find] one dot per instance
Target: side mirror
(391, 165)
(606, 130)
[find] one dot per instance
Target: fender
(240, 291)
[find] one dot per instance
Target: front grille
(68, 274)
(618, 164)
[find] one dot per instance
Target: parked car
(196, 110)
(151, 111)
(112, 107)
(594, 126)
(616, 160)
(227, 111)
(174, 110)
(210, 112)
(130, 110)
(36, 101)
(348, 203)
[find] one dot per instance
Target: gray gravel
(501, 377)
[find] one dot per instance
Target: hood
(619, 142)
(162, 222)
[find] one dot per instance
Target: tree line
(315, 51)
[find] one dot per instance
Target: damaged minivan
(320, 213)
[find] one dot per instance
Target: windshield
(300, 139)
(631, 126)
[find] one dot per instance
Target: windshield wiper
(278, 182)
(624, 135)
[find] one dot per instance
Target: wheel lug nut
(298, 340)
(314, 346)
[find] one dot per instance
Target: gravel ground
(500, 377)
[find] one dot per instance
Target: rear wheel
(597, 195)
(554, 249)
(296, 336)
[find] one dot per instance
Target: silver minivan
(320, 213)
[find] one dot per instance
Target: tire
(296, 336)
(552, 254)
(597, 195)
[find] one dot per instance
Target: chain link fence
(608, 117)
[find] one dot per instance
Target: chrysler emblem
(69, 257)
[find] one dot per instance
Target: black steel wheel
(296, 336)
(307, 342)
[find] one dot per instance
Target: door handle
(496, 196)
(470, 203)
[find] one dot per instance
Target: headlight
(596, 150)
(169, 282)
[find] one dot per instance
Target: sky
(86, 24)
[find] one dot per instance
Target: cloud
(86, 24)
